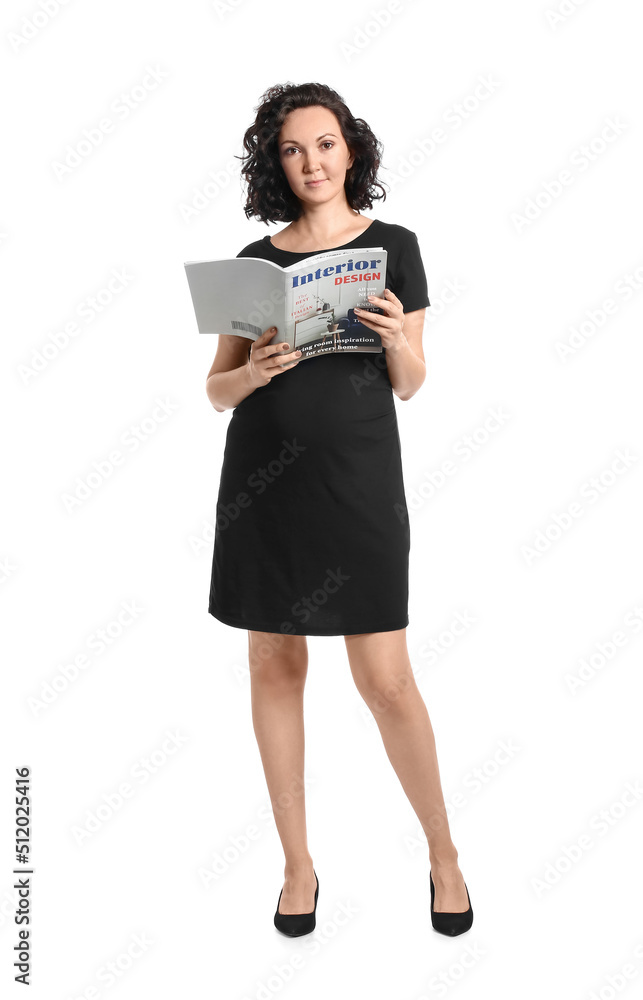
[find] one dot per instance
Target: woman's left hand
(389, 326)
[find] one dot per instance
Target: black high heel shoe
(450, 923)
(296, 924)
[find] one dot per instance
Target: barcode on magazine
(246, 327)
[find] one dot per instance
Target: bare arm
(405, 361)
(401, 335)
(236, 371)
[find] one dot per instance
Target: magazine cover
(312, 303)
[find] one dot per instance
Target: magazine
(312, 303)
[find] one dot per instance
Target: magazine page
(242, 296)
(322, 292)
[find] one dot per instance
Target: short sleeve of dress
(406, 276)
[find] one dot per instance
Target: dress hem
(227, 620)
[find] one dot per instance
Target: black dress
(312, 533)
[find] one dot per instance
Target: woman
(319, 545)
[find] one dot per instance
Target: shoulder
(256, 249)
(398, 240)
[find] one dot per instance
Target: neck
(320, 224)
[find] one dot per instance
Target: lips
(321, 179)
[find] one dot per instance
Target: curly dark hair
(270, 197)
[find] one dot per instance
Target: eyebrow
(316, 140)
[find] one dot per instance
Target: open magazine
(312, 303)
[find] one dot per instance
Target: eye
(328, 142)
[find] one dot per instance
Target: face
(311, 148)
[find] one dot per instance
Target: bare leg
(278, 668)
(382, 671)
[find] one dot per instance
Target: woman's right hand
(263, 362)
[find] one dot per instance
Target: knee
(277, 659)
(388, 692)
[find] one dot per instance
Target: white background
(549, 919)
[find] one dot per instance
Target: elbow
(409, 394)
(215, 405)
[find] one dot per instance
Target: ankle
(298, 869)
(443, 862)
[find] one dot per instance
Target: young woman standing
(322, 547)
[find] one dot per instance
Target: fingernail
(298, 352)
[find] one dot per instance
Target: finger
(280, 359)
(278, 368)
(270, 349)
(291, 356)
(379, 324)
(368, 318)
